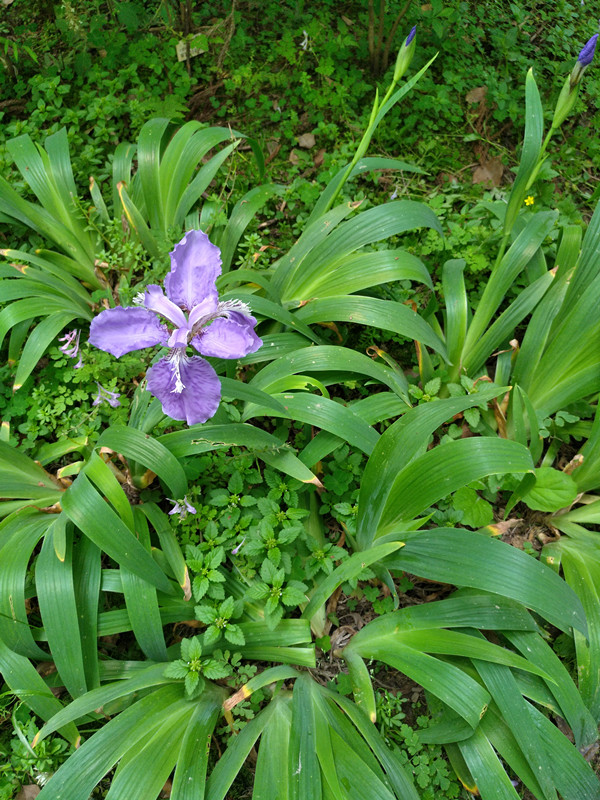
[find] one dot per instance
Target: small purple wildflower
(587, 51)
(410, 36)
(71, 344)
(187, 386)
(237, 549)
(106, 396)
(181, 507)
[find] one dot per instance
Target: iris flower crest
(190, 314)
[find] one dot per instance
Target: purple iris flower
(106, 396)
(187, 386)
(410, 36)
(181, 507)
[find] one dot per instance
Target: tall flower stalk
(530, 167)
(380, 108)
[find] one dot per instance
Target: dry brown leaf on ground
(29, 792)
(306, 140)
(489, 172)
(476, 95)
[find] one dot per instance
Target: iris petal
(228, 338)
(195, 266)
(154, 300)
(200, 398)
(121, 330)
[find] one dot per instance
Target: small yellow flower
(529, 201)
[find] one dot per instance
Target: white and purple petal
(231, 337)
(200, 396)
(154, 300)
(179, 338)
(195, 266)
(121, 330)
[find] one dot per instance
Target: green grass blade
(304, 771)
(583, 575)
(364, 166)
(144, 769)
(200, 183)
(21, 310)
(505, 692)
(147, 451)
(106, 483)
(384, 314)
(443, 470)
(397, 447)
(168, 541)
(515, 260)
(189, 781)
(504, 327)
(455, 297)
(56, 596)
(363, 270)
(90, 512)
(388, 758)
(371, 226)
(78, 776)
(532, 142)
(464, 609)
(237, 751)
(243, 212)
(137, 222)
(121, 170)
(41, 337)
(562, 687)
(86, 582)
(203, 438)
(269, 310)
(236, 390)
(148, 157)
(348, 569)
(27, 684)
(573, 777)
(587, 267)
(328, 415)
(312, 236)
(271, 780)
(181, 158)
(446, 681)
(490, 777)
(142, 604)
(455, 556)
(20, 535)
(144, 678)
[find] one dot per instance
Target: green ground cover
(369, 565)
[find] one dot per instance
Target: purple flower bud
(181, 507)
(587, 52)
(105, 396)
(237, 549)
(584, 59)
(410, 36)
